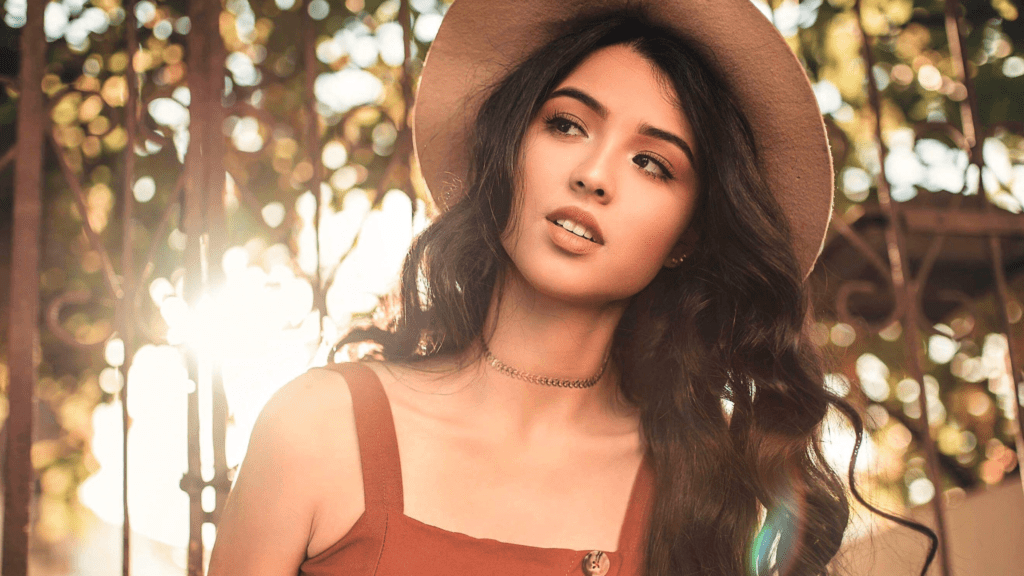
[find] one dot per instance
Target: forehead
(626, 82)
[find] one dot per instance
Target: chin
(589, 290)
(592, 280)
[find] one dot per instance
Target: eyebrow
(645, 129)
(587, 100)
(648, 130)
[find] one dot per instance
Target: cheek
(659, 227)
(539, 178)
(538, 170)
(643, 251)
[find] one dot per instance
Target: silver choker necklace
(544, 380)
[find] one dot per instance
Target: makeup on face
(575, 230)
(608, 182)
(644, 128)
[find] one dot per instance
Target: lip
(580, 216)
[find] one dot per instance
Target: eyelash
(665, 175)
(553, 119)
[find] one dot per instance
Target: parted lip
(580, 216)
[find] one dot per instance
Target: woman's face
(610, 155)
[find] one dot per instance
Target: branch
(161, 231)
(58, 329)
(97, 244)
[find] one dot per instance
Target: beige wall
(986, 533)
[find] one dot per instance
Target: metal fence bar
(23, 330)
(975, 134)
(125, 320)
(313, 152)
(1003, 300)
(200, 14)
(204, 229)
(907, 294)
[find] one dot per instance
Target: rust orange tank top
(386, 542)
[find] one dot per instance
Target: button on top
(596, 563)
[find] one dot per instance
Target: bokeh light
(262, 323)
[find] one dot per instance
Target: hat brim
(481, 40)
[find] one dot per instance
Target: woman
(598, 363)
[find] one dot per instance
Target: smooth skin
(483, 454)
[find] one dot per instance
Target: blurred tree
(311, 157)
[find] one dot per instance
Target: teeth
(575, 228)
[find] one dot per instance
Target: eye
(652, 167)
(561, 124)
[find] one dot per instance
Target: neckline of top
(630, 522)
(379, 455)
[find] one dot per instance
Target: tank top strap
(378, 444)
(633, 534)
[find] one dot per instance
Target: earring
(676, 261)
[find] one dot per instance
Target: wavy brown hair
(739, 490)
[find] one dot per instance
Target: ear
(684, 246)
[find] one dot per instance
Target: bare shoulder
(299, 488)
(319, 393)
(307, 420)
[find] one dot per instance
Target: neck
(551, 338)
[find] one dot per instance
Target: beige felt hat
(480, 40)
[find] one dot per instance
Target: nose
(582, 187)
(593, 175)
